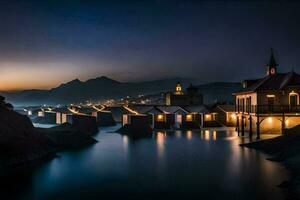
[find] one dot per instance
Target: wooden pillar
(238, 124)
(202, 120)
(283, 124)
(243, 125)
(250, 127)
(258, 128)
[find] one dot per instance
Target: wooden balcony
(268, 109)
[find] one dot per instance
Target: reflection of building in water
(206, 135)
(214, 135)
(189, 135)
(179, 97)
(160, 142)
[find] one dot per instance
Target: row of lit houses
(158, 116)
(177, 117)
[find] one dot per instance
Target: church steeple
(178, 89)
(272, 66)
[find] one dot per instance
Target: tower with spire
(272, 65)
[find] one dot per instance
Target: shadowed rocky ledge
(284, 149)
(22, 143)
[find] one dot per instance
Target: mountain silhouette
(102, 88)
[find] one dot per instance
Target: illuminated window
(160, 118)
(207, 117)
(293, 99)
(189, 118)
(178, 89)
(233, 116)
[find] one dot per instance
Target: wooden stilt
(238, 124)
(283, 124)
(258, 128)
(243, 125)
(250, 127)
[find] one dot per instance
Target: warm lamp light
(270, 120)
(189, 117)
(160, 117)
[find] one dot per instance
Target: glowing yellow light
(130, 110)
(215, 135)
(233, 116)
(270, 120)
(208, 117)
(206, 135)
(160, 117)
(270, 95)
(189, 135)
(189, 118)
(287, 122)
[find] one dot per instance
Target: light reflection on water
(170, 165)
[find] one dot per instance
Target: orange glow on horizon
(16, 76)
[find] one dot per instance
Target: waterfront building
(63, 115)
(118, 112)
(182, 98)
(203, 116)
(226, 115)
(269, 104)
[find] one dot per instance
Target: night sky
(43, 44)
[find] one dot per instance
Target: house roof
(142, 109)
(197, 109)
(227, 108)
(64, 110)
(274, 82)
(117, 110)
(87, 110)
(172, 109)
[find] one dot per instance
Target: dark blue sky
(43, 43)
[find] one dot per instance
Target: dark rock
(85, 123)
(133, 131)
(67, 136)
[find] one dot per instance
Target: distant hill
(105, 88)
(219, 91)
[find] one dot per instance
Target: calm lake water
(170, 165)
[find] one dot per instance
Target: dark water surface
(170, 165)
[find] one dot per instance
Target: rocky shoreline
(21, 143)
(286, 150)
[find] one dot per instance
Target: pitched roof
(172, 109)
(227, 108)
(197, 109)
(64, 110)
(275, 82)
(86, 110)
(117, 110)
(142, 109)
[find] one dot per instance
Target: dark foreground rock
(284, 149)
(66, 136)
(22, 143)
(135, 132)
